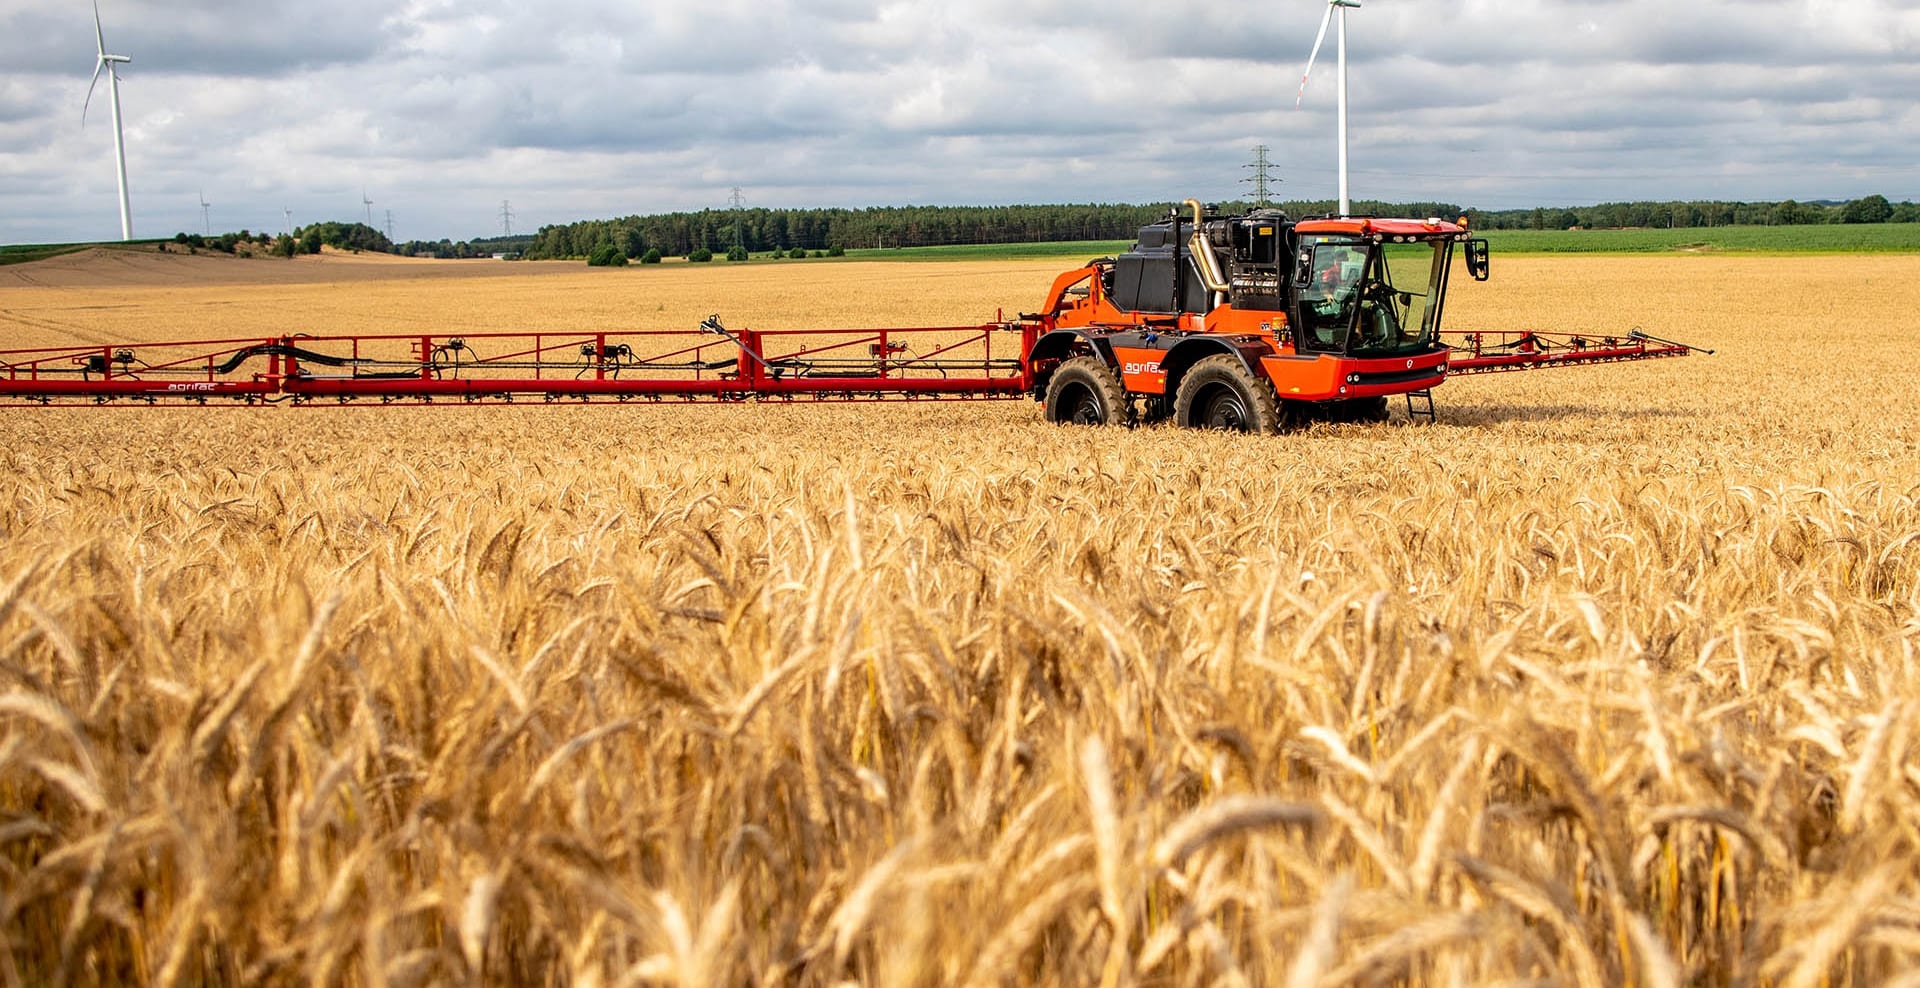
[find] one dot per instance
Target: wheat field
(1608, 677)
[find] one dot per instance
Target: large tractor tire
(1085, 391)
(1220, 393)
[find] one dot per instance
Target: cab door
(1327, 280)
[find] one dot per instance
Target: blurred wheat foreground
(1607, 678)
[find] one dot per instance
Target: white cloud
(577, 108)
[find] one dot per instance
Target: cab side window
(1327, 302)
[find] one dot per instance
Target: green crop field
(36, 252)
(1823, 239)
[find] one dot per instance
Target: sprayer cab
(1320, 314)
(1369, 287)
(1330, 285)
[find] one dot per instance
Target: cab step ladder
(1425, 407)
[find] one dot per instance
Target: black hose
(284, 350)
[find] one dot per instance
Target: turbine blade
(97, 66)
(98, 35)
(1321, 37)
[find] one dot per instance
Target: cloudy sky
(573, 109)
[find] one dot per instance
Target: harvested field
(1609, 677)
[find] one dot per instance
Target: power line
(736, 200)
(1261, 174)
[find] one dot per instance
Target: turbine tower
(1346, 207)
(105, 63)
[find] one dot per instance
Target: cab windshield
(1370, 300)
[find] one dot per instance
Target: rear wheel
(1220, 392)
(1085, 391)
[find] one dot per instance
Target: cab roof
(1367, 226)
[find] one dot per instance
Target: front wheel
(1085, 391)
(1220, 392)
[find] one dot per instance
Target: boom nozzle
(1638, 334)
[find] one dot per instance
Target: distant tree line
(795, 232)
(342, 236)
(303, 240)
(762, 229)
(759, 229)
(225, 243)
(462, 249)
(1615, 215)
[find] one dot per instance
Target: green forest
(760, 230)
(738, 234)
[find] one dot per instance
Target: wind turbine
(364, 201)
(206, 223)
(288, 210)
(1332, 5)
(105, 63)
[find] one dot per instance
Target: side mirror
(1303, 268)
(1477, 258)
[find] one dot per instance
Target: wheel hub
(1087, 411)
(1225, 410)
